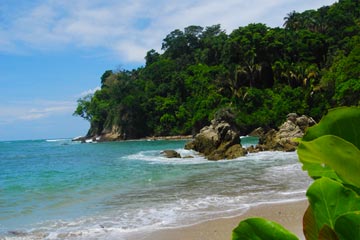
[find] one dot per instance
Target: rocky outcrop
(218, 141)
(283, 139)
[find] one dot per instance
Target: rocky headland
(221, 139)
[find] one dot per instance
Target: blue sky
(52, 52)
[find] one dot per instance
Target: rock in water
(283, 140)
(218, 141)
(171, 154)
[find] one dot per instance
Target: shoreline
(183, 208)
(176, 137)
(84, 139)
(288, 213)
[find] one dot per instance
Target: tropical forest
(259, 73)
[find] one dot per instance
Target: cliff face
(118, 126)
(114, 133)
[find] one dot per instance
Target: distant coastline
(177, 137)
(149, 138)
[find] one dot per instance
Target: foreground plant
(329, 152)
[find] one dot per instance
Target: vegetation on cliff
(309, 65)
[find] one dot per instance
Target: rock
(79, 139)
(292, 117)
(268, 139)
(253, 149)
(283, 139)
(259, 132)
(304, 122)
(218, 141)
(235, 151)
(18, 233)
(171, 154)
(190, 145)
(215, 156)
(206, 141)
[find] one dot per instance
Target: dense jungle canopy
(258, 73)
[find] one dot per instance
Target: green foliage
(258, 228)
(320, 157)
(343, 76)
(333, 145)
(262, 73)
(83, 107)
(330, 153)
(347, 226)
(330, 199)
(341, 122)
(348, 92)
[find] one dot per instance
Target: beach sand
(288, 214)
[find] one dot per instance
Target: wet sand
(288, 214)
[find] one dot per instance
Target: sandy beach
(288, 214)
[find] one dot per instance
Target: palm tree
(292, 20)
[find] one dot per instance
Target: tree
(151, 57)
(83, 107)
(262, 73)
(343, 78)
(175, 44)
(212, 42)
(105, 75)
(293, 21)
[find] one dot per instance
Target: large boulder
(283, 139)
(218, 141)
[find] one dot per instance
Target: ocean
(59, 189)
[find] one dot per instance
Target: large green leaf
(331, 156)
(261, 229)
(310, 229)
(327, 233)
(347, 226)
(330, 199)
(342, 122)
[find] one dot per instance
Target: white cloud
(89, 91)
(114, 25)
(32, 116)
(131, 50)
(33, 110)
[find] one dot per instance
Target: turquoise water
(60, 189)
